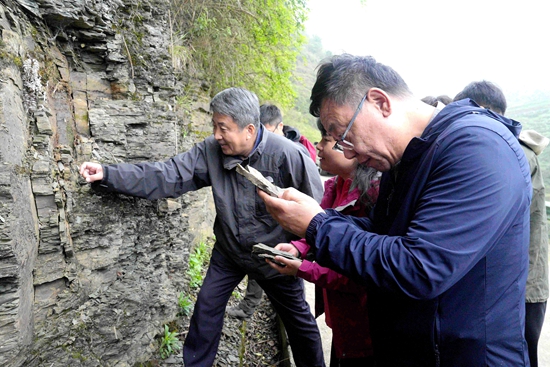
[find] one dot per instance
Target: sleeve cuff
(102, 186)
(311, 231)
(105, 176)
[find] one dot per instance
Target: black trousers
(534, 318)
(287, 297)
(349, 362)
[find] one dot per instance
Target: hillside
(533, 111)
(303, 79)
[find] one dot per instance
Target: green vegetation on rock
(251, 44)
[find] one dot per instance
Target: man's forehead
(220, 119)
(331, 116)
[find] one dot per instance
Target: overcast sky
(439, 47)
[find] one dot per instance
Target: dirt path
(326, 333)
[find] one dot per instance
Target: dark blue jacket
(445, 256)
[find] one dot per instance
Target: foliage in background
(311, 54)
(533, 111)
(251, 44)
(169, 343)
(197, 260)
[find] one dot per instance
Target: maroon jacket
(343, 301)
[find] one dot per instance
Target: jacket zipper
(437, 333)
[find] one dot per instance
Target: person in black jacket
(272, 118)
(241, 218)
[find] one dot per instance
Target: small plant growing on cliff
(196, 262)
(184, 304)
(169, 344)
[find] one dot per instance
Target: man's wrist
(311, 231)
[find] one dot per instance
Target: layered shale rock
(89, 279)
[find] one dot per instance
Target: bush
(251, 44)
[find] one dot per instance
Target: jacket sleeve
(303, 175)
(172, 178)
(326, 278)
(477, 185)
(302, 246)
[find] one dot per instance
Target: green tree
(247, 43)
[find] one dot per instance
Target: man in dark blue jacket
(241, 218)
(445, 255)
(490, 96)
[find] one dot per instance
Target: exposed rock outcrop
(88, 279)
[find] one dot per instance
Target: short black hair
(270, 115)
(431, 100)
(485, 94)
(346, 78)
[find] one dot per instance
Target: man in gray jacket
(536, 291)
(490, 96)
(241, 221)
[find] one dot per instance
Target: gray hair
(345, 79)
(240, 104)
(366, 180)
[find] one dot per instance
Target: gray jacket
(241, 216)
(537, 281)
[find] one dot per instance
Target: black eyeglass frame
(342, 144)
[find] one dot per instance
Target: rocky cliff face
(88, 279)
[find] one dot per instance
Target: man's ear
(381, 100)
(251, 130)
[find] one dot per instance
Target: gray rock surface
(89, 279)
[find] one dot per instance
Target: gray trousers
(252, 297)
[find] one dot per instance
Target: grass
(185, 304)
(169, 344)
(196, 262)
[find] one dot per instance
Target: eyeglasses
(342, 144)
(274, 129)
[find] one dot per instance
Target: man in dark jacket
(445, 255)
(489, 95)
(241, 220)
(272, 118)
